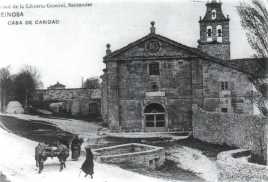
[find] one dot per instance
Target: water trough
(134, 154)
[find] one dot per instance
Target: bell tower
(214, 31)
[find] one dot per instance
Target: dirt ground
(169, 171)
(209, 150)
(3, 178)
(39, 130)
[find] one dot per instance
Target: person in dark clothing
(88, 165)
(76, 147)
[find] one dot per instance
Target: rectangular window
(224, 110)
(149, 120)
(160, 120)
(224, 86)
(92, 108)
(160, 124)
(154, 69)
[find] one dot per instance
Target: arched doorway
(155, 118)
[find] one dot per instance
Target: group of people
(88, 165)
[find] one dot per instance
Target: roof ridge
(196, 51)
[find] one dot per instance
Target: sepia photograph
(134, 90)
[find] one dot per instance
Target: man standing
(76, 147)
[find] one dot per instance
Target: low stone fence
(134, 154)
(234, 166)
(238, 130)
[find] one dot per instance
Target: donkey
(43, 151)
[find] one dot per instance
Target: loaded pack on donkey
(43, 151)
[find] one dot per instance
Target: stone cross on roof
(152, 28)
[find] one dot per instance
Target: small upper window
(224, 85)
(219, 33)
(209, 33)
(154, 69)
(213, 14)
(154, 86)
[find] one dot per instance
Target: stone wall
(237, 96)
(239, 169)
(113, 93)
(127, 82)
(104, 98)
(68, 94)
(184, 79)
(239, 130)
(76, 101)
(180, 114)
(174, 81)
(123, 149)
(218, 50)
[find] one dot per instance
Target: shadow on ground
(39, 131)
(169, 171)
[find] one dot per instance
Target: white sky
(74, 49)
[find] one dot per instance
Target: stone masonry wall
(180, 114)
(237, 169)
(68, 94)
(238, 95)
(113, 93)
(152, 157)
(184, 80)
(219, 50)
(174, 80)
(76, 101)
(240, 130)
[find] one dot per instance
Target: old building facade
(56, 86)
(152, 83)
(73, 101)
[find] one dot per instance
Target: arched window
(154, 69)
(219, 33)
(213, 14)
(209, 33)
(154, 108)
(155, 116)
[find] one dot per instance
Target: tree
(254, 19)
(5, 87)
(92, 83)
(25, 84)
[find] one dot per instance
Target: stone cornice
(142, 58)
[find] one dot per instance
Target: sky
(73, 49)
